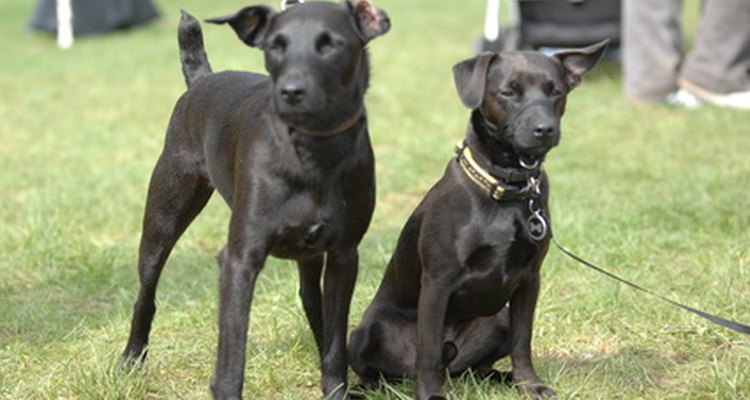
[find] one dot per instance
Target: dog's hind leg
(384, 346)
(176, 194)
(310, 271)
(480, 343)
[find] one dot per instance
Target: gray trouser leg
(720, 60)
(652, 47)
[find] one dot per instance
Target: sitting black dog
(460, 290)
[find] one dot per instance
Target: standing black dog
(291, 156)
(477, 240)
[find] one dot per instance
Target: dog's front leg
(433, 302)
(522, 306)
(310, 271)
(340, 277)
(240, 266)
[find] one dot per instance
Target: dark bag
(95, 16)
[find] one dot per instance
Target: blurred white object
(286, 3)
(491, 24)
(501, 27)
(64, 24)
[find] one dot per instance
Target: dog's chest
(495, 260)
(303, 240)
(306, 226)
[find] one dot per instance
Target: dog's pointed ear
(578, 61)
(470, 77)
(250, 23)
(369, 21)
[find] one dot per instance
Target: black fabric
(559, 23)
(95, 16)
(556, 23)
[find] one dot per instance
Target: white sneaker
(682, 98)
(737, 100)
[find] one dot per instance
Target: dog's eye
(554, 90)
(512, 90)
(278, 45)
(324, 43)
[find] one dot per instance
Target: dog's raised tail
(193, 57)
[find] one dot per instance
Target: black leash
(736, 326)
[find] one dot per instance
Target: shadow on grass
(632, 371)
(81, 291)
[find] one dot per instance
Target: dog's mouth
(302, 118)
(298, 112)
(530, 155)
(305, 123)
(528, 149)
(307, 117)
(304, 114)
(531, 150)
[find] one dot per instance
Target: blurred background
(653, 192)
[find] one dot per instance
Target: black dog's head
(520, 95)
(316, 57)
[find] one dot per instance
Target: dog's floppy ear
(578, 61)
(369, 21)
(470, 77)
(250, 23)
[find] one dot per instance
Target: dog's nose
(543, 131)
(292, 93)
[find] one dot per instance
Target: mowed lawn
(657, 194)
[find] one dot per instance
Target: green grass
(656, 194)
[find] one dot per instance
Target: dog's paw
(355, 395)
(131, 361)
(432, 395)
(537, 390)
(495, 376)
(358, 390)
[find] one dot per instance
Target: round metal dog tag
(537, 226)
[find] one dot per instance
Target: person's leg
(720, 61)
(652, 48)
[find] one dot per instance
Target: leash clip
(534, 184)
(536, 224)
